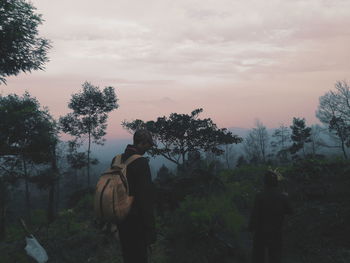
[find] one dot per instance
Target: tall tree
(48, 178)
(21, 49)
(341, 129)
(300, 135)
(256, 143)
(180, 134)
(77, 160)
(334, 112)
(251, 148)
(26, 135)
(229, 155)
(281, 141)
(89, 117)
(316, 140)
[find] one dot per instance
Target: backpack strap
(117, 160)
(132, 158)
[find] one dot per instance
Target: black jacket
(270, 208)
(141, 187)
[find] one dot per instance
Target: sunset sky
(238, 60)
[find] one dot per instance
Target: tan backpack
(112, 202)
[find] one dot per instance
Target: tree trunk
(183, 158)
(2, 221)
(227, 157)
(88, 164)
(76, 179)
(343, 149)
(51, 203)
(2, 210)
(27, 194)
(58, 186)
(51, 208)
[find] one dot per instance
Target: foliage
(256, 143)
(334, 112)
(89, 117)
(180, 134)
(21, 49)
(25, 129)
(28, 136)
(209, 229)
(281, 142)
(300, 135)
(241, 161)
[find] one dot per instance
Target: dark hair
(142, 136)
(270, 179)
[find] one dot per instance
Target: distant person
(137, 230)
(266, 221)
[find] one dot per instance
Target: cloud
(225, 56)
(160, 103)
(167, 39)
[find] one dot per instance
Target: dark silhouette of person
(137, 230)
(266, 221)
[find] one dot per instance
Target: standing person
(266, 221)
(137, 230)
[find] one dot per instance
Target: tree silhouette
(89, 117)
(281, 142)
(256, 143)
(27, 134)
(180, 134)
(300, 135)
(20, 47)
(334, 112)
(77, 160)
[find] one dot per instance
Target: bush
(203, 229)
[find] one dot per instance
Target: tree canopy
(25, 128)
(300, 135)
(21, 49)
(89, 117)
(28, 135)
(180, 134)
(334, 112)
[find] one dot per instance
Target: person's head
(143, 140)
(270, 179)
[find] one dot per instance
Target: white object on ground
(35, 250)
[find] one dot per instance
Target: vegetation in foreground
(202, 216)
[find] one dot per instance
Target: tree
(334, 112)
(281, 142)
(180, 134)
(163, 174)
(27, 134)
(300, 135)
(229, 154)
(241, 161)
(89, 117)
(256, 143)
(316, 140)
(21, 49)
(251, 148)
(48, 178)
(77, 160)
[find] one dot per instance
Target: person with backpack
(125, 197)
(266, 220)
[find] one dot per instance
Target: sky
(239, 60)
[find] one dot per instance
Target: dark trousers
(132, 240)
(267, 245)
